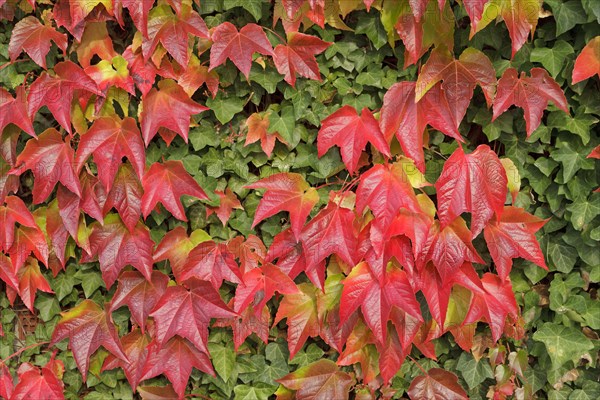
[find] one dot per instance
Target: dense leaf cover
(299, 198)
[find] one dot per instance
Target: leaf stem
(31, 346)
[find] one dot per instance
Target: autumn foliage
(377, 262)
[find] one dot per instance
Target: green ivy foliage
(560, 306)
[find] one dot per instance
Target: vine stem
(31, 346)
(418, 365)
(276, 34)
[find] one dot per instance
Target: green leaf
(47, 305)
(91, 280)
(584, 211)
(223, 358)
(254, 7)
(225, 107)
(580, 125)
(553, 59)
(474, 372)
(258, 391)
(562, 256)
(563, 343)
(284, 123)
(571, 159)
(371, 25)
(567, 14)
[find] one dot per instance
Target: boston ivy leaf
(187, 313)
(298, 57)
(30, 281)
(156, 392)
(125, 196)
(31, 36)
(587, 63)
(211, 262)
(117, 247)
(168, 107)
(166, 183)
(531, 93)
(563, 343)
(285, 192)
(321, 379)
(138, 10)
(175, 359)
(13, 211)
(14, 111)
(50, 158)
(247, 323)
(238, 46)
(139, 294)
(351, 132)
(175, 247)
(258, 129)
(437, 383)
(40, 384)
(227, 202)
(513, 235)
(88, 327)
(474, 183)
(135, 348)
(58, 91)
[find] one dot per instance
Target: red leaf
(211, 262)
(459, 78)
(511, 236)
(248, 323)
(117, 247)
(238, 46)
(57, 233)
(288, 252)
(95, 42)
(531, 93)
(360, 350)
(88, 327)
(249, 251)
(28, 240)
(351, 132)
(187, 312)
(157, 392)
(331, 231)
(39, 385)
(474, 9)
(449, 248)
(166, 183)
(14, 210)
(173, 32)
(595, 153)
(228, 201)
(286, 191)
(376, 300)
(169, 107)
(391, 356)
(319, 380)
(109, 140)
(259, 285)
(143, 73)
(34, 38)
(57, 92)
(138, 11)
(30, 281)
(191, 76)
(175, 247)
(474, 183)
(50, 158)
(14, 111)
(300, 309)
(436, 384)
(258, 129)
(125, 196)
(139, 294)
(587, 63)
(72, 14)
(175, 359)
(8, 274)
(6, 379)
(298, 57)
(135, 347)
(493, 304)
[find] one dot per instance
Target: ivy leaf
(211, 262)
(300, 309)
(259, 285)
(36, 384)
(50, 158)
(117, 247)
(57, 92)
(285, 192)
(563, 343)
(437, 383)
(531, 93)
(109, 140)
(187, 312)
(319, 380)
(30, 281)
(175, 359)
(351, 132)
(258, 129)
(31, 36)
(513, 235)
(172, 32)
(567, 14)
(238, 46)
(139, 294)
(520, 17)
(474, 183)
(587, 63)
(88, 327)
(474, 372)
(553, 59)
(168, 107)
(459, 78)
(166, 183)
(362, 289)
(583, 212)
(135, 347)
(298, 57)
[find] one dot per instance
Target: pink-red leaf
(211, 262)
(31, 36)
(298, 57)
(436, 384)
(587, 63)
(319, 380)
